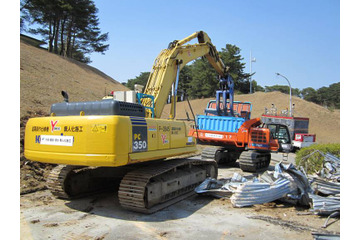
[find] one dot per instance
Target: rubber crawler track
(252, 161)
(221, 155)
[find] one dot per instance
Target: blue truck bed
(212, 122)
(219, 123)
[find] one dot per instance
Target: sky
(298, 39)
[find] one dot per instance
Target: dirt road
(198, 217)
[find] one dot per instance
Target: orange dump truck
(234, 135)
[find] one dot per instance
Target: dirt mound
(324, 123)
(32, 174)
(43, 75)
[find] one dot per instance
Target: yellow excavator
(122, 143)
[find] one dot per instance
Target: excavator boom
(170, 61)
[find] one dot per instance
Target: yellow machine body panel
(104, 140)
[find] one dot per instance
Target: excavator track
(70, 182)
(220, 154)
(145, 189)
(211, 153)
(252, 161)
(56, 180)
(154, 187)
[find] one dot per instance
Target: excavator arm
(166, 68)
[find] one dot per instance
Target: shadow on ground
(107, 205)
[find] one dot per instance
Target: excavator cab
(282, 134)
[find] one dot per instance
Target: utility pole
(251, 61)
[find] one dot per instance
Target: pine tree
(232, 58)
(69, 26)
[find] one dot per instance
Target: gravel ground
(200, 217)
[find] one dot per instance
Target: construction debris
(325, 205)
(298, 178)
(325, 200)
(331, 166)
(325, 236)
(285, 183)
(325, 187)
(216, 188)
(251, 193)
(222, 188)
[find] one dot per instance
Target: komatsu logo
(137, 136)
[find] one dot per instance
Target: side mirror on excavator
(65, 96)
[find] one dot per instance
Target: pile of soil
(32, 174)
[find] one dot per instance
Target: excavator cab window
(279, 132)
(272, 129)
(283, 134)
